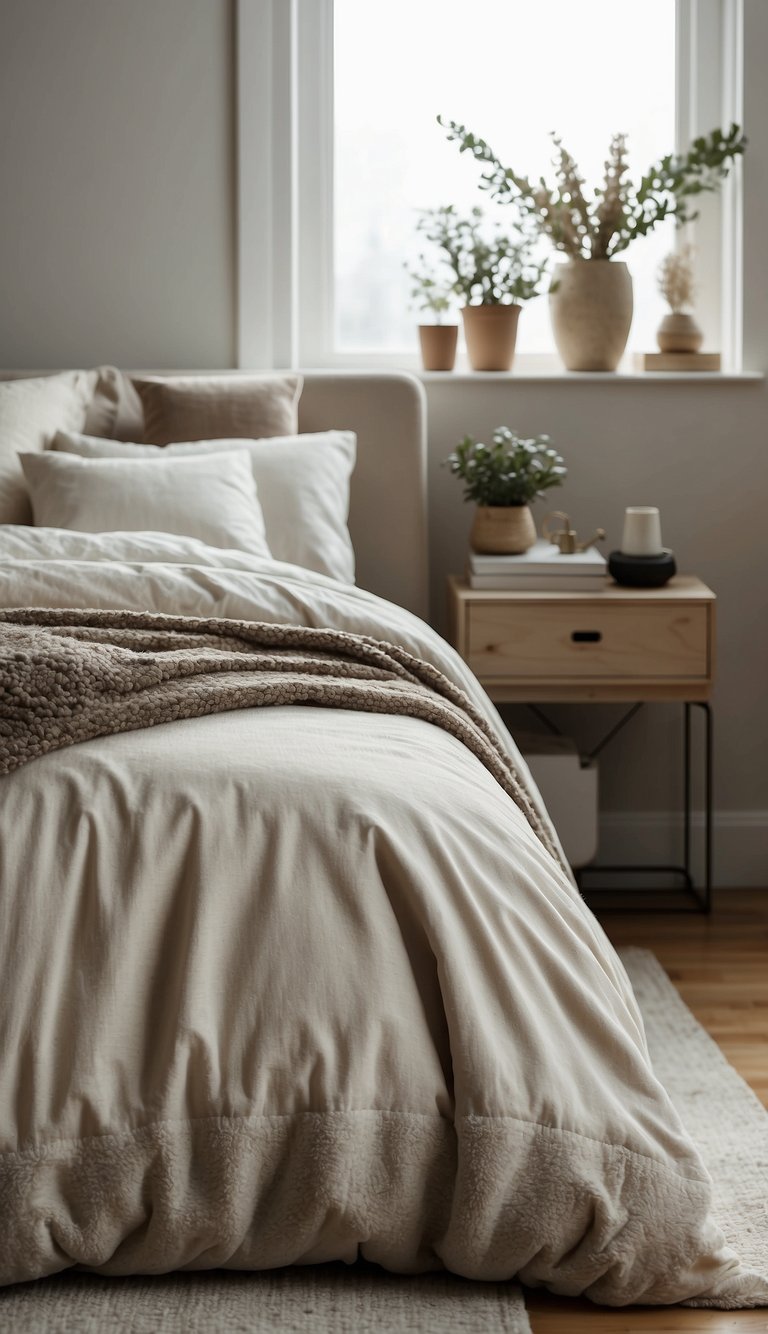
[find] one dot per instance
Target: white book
(539, 583)
(542, 558)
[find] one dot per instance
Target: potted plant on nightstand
(591, 308)
(492, 272)
(502, 479)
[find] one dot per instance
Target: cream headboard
(388, 512)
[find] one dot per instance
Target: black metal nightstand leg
(705, 899)
(702, 897)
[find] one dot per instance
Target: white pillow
(31, 411)
(212, 497)
(303, 486)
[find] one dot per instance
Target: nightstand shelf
(622, 645)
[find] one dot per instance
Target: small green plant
(484, 264)
(605, 224)
(429, 293)
(514, 470)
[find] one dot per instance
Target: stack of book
(542, 569)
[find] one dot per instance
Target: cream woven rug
(723, 1116)
(721, 1112)
(331, 1299)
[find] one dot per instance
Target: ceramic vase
(490, 333)
(679, 332)
(591, 310)
(504, 530)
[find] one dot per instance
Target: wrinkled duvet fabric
(285, 985)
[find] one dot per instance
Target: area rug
(722, 1115)
(720, 1111)
(328, 1299)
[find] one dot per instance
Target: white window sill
(590, 377)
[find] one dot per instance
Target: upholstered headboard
(388, 511)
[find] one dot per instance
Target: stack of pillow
(213, 457)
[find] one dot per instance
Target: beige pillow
(302, 483)
(31, 412)
(115, 410)
(198, 407)
(211, 497)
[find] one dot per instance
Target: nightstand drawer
(587, 639)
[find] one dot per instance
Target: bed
(307, 982)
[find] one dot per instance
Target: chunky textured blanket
(69, 676)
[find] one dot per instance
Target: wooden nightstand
(620, 644)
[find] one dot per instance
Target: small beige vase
(438, 346)
(491, 334)
(504, 530)
(591, 310)
(679, 332)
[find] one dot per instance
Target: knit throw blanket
(69, 676)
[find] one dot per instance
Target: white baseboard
(740, 843)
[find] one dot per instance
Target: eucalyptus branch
(619, 211)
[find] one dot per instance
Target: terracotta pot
(490, 332)
(591, 312)
(505, 530)
(438, 346)
(679, 333)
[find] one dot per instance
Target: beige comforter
(295, 984)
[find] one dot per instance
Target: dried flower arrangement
(676, 282)
(618, 211)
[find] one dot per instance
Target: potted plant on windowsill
(437, 340)
(502, 479)
(591, 307)
(492, 272)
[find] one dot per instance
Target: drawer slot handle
(586, 636)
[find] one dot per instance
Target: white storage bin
(569, 787)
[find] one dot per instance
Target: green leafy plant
(429, 293)
(485, 265)
(514, 470)
(618, 211)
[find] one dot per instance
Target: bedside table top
(682, 588)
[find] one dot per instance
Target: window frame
(285, 196)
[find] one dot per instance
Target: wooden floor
(720, 967)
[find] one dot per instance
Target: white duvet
(296, 984)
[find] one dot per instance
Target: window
(512, 73)
(339, 148)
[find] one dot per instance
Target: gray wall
(117, 225)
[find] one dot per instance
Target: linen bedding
(286, 985)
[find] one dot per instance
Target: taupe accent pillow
(209, 496)
(302, 482)
(115, 411)
(198, 407)
(31, 412)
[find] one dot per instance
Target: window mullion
(699, 110)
